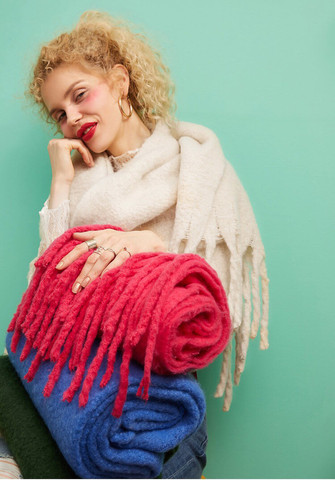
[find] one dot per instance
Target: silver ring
(91, 244)
(124, 248)
(111, 250)
(99, 250)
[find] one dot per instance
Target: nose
(73, 115)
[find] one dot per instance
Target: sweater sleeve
(8, 466)
(53, 223)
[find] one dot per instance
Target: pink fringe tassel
(137, 308)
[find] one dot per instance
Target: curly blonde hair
(99, 42)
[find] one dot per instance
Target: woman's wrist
(59, 191)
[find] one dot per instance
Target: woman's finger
(89, 235)
(84, 152)
(101, 236)
(94, 266)
(75, 253)
(78, 284)
(121, 257)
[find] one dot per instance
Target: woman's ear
(120, 79)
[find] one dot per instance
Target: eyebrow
(65, 95)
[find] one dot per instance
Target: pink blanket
(167, 311)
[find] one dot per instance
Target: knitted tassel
(229, 390)
(225, 369)
(155, 307)
(242, 334)
(26, 350)
(235, 291)
(243, 291)
(23, 309)
(264, 343)
(78, 362)
(256, 304)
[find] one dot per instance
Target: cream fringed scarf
(187, 170)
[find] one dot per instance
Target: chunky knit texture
(96, 444)
(181, 186)
(168, 311)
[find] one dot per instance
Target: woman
(165, 183)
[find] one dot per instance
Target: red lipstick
(87, 131)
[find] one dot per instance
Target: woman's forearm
(59, 192)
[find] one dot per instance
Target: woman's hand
(116, 248)
(62, 167)
(60, 157)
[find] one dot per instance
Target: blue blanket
(98, 445)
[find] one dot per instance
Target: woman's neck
(132, 135)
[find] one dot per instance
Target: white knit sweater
(180, 186)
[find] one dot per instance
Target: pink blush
(93, 95)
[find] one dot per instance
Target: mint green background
(261, 74)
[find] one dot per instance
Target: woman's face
(85, 106)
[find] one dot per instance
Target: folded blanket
(98, 445)
(25, 432)
(167, 311)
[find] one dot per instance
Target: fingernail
(75, 287)
(85, 281)
(59, 265)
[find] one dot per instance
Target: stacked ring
(126, 250)
(111, 250)
(91, 244)
(99, 250)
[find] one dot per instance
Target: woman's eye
(80, 95)
(61, 117)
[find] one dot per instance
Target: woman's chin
(96, 148)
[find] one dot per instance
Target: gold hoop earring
(123, 113)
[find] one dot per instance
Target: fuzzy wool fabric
(180, 186)
(98, 445)
(26, 434)
(168, 311)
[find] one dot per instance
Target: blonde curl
(99, 42)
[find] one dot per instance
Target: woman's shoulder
(200, 137)
(198, 132)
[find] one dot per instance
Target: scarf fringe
(117, 308)
(244, 300)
